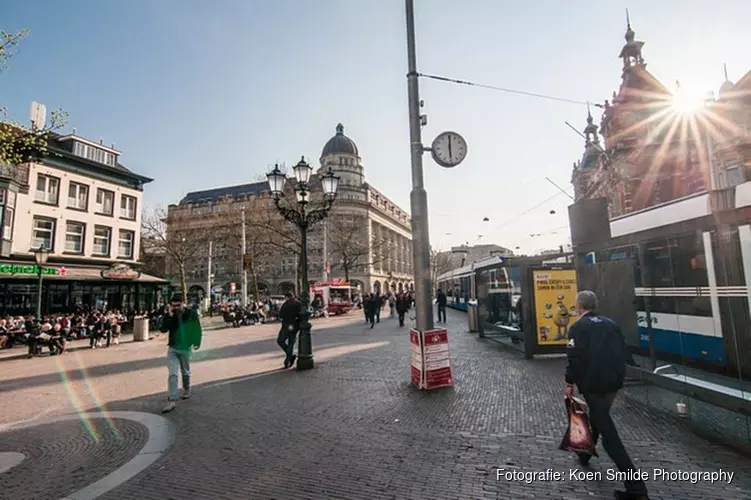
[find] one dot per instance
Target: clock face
(449, 149)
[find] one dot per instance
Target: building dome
(340, 144)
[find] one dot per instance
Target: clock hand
(450, 155)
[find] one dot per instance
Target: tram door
(613, 282)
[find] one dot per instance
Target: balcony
(15, 173)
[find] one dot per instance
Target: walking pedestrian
(184, 330)
(371, 306)
(392, 305)
(402, 306)
(289, 315)
(597, 356)
(440, 301)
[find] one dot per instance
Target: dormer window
(94, 154)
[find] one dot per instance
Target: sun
(687, 102)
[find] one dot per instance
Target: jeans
(401, 317)
(602, 425)
(179, 361)
(441, 313)
(286, 339)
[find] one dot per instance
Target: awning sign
(30, 270)
(120, 272)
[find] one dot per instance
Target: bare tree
(181, 242)
(440, 263)
(19, 144)
(348, 239)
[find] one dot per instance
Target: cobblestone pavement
(354, 428)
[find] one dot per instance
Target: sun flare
(687, 102)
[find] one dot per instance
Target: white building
(363, 222)
(82, 206)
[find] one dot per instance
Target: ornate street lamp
(303, 218)
(40, 257)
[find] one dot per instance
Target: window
(74, 235)
(78, 196)
(8, 224)
(102, 241)
(105, 201)
(125, 246)
(734, 175)
(128, 207)
(94, 154)
(47, 189)
(43, 233)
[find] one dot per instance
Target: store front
(71, 288)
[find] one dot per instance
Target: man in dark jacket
(289, 315)
(402, 306)
(597, 355)
(185, 334)
(440, 300)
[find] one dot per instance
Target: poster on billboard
(555, 304)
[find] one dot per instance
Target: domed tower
(341, 154)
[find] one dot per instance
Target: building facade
(366, 239)
(650, 153)
(82, 206)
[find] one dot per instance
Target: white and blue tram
(694, 272)
(697, 272)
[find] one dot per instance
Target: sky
(201, 94)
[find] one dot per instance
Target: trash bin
(473, 316)
(140, 329)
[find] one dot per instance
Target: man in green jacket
(184, 329)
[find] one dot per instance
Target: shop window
(43, 233)
(102, 236)
(48, 189)
(125, 244)
(74, 236)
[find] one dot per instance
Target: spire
(631, 52)
(339, 129)
(629, 32)
(725, 67)
(590, 131)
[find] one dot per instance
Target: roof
(54, 146)
(340, 144)
(252, 189)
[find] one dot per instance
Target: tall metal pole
(244, 296)
(40, 268)
(325, 253)
(305, 347)
(208, 277)
(418, 196)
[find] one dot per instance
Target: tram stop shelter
(525, 302)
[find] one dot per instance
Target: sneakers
(186, 394)
(169, 407)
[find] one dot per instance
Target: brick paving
(64, 457)
(354, 428)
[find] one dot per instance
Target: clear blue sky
(206, 94)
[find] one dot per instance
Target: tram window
(684, 306)
(657, 259)
(688, 261)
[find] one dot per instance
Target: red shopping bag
(578, 437)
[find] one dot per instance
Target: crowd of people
(101, 327)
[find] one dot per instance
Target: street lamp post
(303, 218)
(40, 257)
